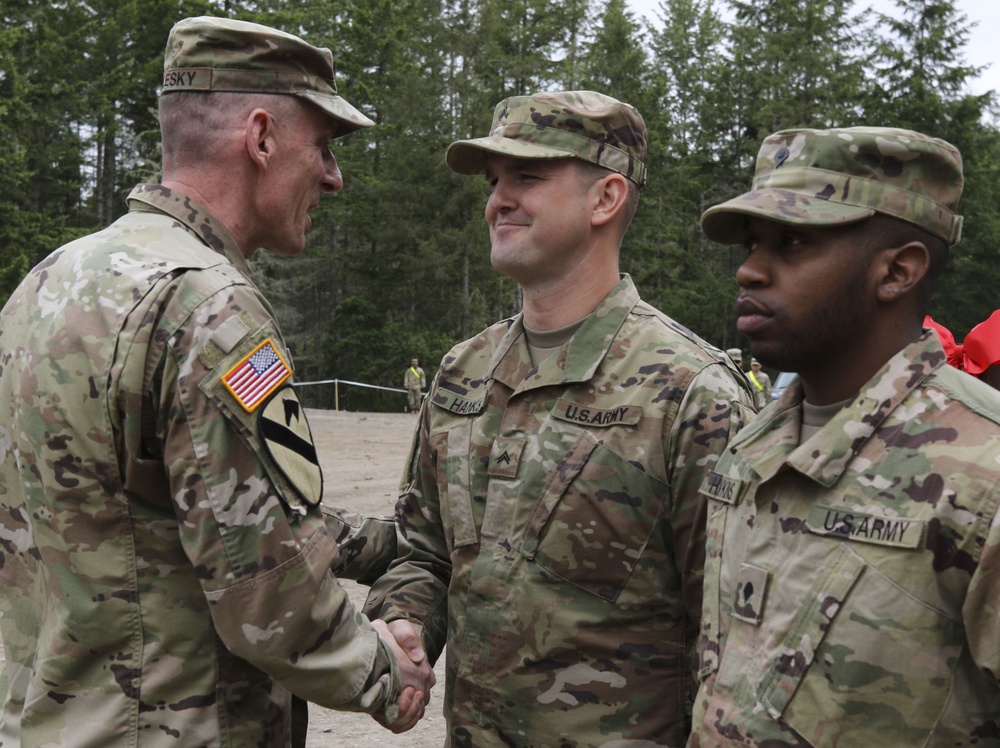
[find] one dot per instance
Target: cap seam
(637, 175)
(778, 180)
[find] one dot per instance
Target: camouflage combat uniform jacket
(852, 583)
(166, 573)
(554, 527)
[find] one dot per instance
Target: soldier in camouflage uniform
(167, 571)
(550, 509)
(736, 355)
(852, 578)
(761, 384)
(415, 382)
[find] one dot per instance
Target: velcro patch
(567, 410)
(505, 456)
(849, 524)
(289, 443)
(256, 376)
(751, 586)
(471, 404)
(721, 488)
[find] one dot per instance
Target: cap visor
(727, 222)
(349, 119)
(469, 156)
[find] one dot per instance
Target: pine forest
(397, 264)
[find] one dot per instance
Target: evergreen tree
(793, 63)
(398, 266)
(615, 61)
(682, 274)
(923, 83)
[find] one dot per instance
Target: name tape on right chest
(722, 488)
(461, 405)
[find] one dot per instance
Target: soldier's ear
(260, 137)
(900, 270)
(610, 194)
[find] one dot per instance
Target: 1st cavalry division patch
(288, 440)
(257, 376)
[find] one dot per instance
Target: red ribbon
(979, 351)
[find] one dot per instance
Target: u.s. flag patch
(257, 376)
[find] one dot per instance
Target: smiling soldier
(551, 507)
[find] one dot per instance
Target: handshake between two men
(415, 673)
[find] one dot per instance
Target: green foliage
(398, 265)
(923, 85)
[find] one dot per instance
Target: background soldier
(736, 355)
(166, 566)
(853, 570)
(761, 383)
(551, 505)
(415, 382)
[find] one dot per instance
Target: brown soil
(363, 455)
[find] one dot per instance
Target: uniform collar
(155, 198)
(578, 359)
(771, 440)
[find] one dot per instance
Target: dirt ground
(362, 455)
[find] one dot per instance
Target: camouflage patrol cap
(206, 54)
(569, 124)
(735, 354)
(841, 176)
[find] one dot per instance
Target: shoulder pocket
(248, 385)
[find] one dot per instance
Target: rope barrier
(356, 384)
(336, 388)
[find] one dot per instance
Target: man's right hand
(415, 672)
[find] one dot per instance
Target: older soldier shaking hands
(167, 573)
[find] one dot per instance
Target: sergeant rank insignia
(283, 428)
(256, 376)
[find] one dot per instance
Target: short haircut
(883, 231)
(190, 123)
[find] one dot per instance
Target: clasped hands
(415, 672)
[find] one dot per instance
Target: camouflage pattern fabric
(852, 581)
(553, 531)
(366, 545)
(570, 124)
(844, 175)
(208, 54)
(164, 581)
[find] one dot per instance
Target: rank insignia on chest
(751, 586)
(256, 376)
(505, 456)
